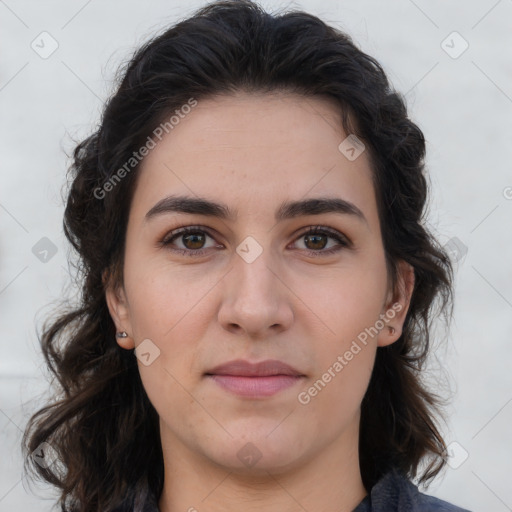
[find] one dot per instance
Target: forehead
(255, 150)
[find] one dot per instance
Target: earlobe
(396, 308)
(124, 341)
(119, 312)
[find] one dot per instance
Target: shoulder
(396, 493)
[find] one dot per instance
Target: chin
(258, 453)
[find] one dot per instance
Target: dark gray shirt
(395, 493)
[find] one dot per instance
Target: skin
(252, 152)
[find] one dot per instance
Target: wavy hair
(101, 424)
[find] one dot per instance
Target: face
(304, 285)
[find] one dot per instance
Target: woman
(257, 283)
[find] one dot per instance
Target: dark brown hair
(102, 426)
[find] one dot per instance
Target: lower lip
(255, 386)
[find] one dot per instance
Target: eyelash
(343, 241)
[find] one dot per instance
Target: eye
(193, 239)
(316, 239)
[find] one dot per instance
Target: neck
(330, 481)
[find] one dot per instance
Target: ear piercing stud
(122, 334)
(391, 330)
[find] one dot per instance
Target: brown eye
(191, 238)
(316, 239)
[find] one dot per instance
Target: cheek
(342, 381)
(171, 308)
(162, 295)
(348, 304)
(346, 300)
(344, 357)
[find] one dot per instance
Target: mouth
(262, 379)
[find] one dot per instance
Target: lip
(242, 368)
(262, 379)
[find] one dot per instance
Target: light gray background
(463, 105)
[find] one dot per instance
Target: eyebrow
(287, 210)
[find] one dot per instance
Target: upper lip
(261, 369)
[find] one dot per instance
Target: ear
(397, 305)
(119, 311)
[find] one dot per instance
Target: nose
(256, 300)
